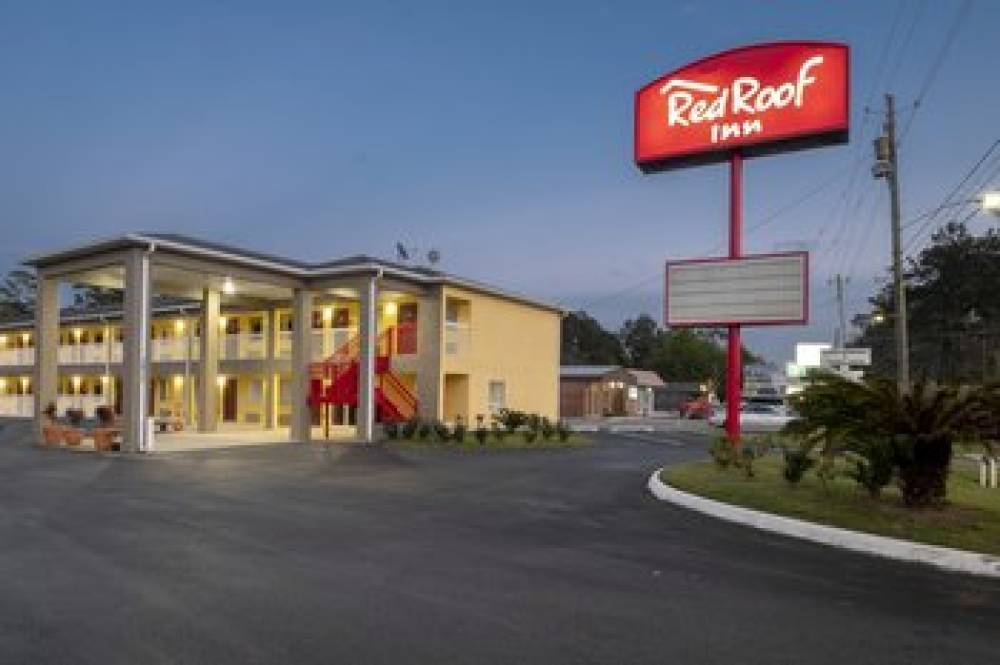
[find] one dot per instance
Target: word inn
(693, 102)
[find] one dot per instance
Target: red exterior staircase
(334, 381)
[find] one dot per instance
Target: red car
(696, 407)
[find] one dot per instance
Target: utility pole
(840, 337)
(887, 166)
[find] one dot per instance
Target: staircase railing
(396, 392)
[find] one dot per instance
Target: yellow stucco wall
(498, 339)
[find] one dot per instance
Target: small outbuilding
(594, 391)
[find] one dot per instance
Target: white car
(756, 418)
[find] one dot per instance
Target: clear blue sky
(499, 133)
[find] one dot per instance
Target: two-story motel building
(248, 341)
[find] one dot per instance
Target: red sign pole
(734, 366)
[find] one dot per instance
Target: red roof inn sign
(749, 101)
(761, 99)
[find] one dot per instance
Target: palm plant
(915, 430)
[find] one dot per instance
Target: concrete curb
(946, 558)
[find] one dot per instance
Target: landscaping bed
(968, 520)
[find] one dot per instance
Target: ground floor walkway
(372, 554)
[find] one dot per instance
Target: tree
(640, 338)
(586, 342)
(17, 293)
(911, 433)
(953, 310)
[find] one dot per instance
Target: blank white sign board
(765, 289)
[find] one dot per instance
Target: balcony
(85, 403)
(324, 343)
(243, 346)
(17, 356)
(17, 406)
(174, 349)
(88, 354)
(457, 341)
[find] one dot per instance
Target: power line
(954, 191)
(765, 221)
(932, 72)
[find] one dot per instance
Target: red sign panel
(761, 99)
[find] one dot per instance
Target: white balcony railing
(324, 342)
(457, 340)
(17, 356)
(173, 349)
(86, 403)
(243, 346)
(17, 406)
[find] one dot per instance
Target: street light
(990, 202)
(878, 317)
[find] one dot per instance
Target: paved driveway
(301, 554)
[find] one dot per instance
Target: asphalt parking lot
(314, 554)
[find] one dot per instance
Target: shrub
(441, 431)
(105, 415)
(75, 417)
(534, 422)
(563, 430)
(530, 435)
(747, 457)
(481, 434)
(797, 462)
(460, 430)
(547, 429)
(499, 433)
(392, 430)
(872, 467)
(410, 427)
(722, 452)
(510, 419)
(424, 431)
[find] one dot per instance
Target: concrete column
(367, 342)
(188, 374)
(271, 371)
(430, 340)
(135, 351)
(46, 376)
(208, 364)
(301, 423)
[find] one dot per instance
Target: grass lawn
(971, 521)
(510, 442)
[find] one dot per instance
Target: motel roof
(294, 268)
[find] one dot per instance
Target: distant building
(763, 382)
(594, 391)
(808, 355)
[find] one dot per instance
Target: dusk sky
(499, 133)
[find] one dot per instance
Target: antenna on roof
(433, 257)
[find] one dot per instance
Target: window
(451, 311)
(257, 325)
(257, 391)
(342, 318)
(498, 396)
(317, 319)
(232, 326)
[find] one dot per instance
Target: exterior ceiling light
(228, 286)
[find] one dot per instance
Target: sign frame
(813, 137)
(721, 323)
